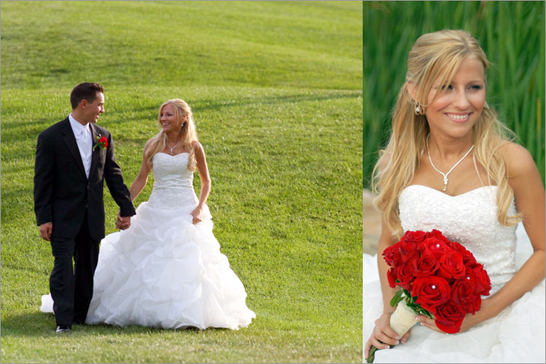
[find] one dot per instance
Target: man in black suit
(73, 159)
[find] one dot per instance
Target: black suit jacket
(62, 191)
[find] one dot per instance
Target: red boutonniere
(101, 143)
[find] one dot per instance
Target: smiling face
(459, 104)
(169, 120)
(94, 109)
(89, 112)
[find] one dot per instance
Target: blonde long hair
(187, 134)
(435, 56)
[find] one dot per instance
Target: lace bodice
(470, 219)
(173, 182)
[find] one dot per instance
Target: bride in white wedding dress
(166, 270)
(450, 166)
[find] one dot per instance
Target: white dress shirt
(84, 138)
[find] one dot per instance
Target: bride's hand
(469, 321)
(123, 222)
(383, 335)
(196, 213)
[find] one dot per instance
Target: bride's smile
(170, 122)
(459, 105)
(168, 118)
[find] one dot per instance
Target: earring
(417, 109)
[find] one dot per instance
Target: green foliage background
(512, 36)
(276, 91)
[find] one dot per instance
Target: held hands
(123, 222)
(196, 213)
(383, 335)
(46, 230)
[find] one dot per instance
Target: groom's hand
(124, 222)
(46, 230)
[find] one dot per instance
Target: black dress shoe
(63, 328)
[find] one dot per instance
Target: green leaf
(397, 298)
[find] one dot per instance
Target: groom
(73, 159)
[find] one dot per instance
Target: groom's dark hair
(85, 90)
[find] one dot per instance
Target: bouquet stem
(402, 319)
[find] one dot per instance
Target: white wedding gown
(164, 271)
(514, 336)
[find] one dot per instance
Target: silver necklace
(173, 147)
(452, 168)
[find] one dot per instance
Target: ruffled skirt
(166, 272)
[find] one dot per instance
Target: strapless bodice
(470, 219)
(173, 182)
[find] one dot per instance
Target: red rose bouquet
(439, 279)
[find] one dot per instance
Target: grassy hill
(276, 90)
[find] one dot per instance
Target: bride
(166, 270)
(450, 165)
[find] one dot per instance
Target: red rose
(391, 276)
(468, 257)
(426, 265)
(101, 143)
(431, 292)
(451, 266)
(437, 246)
(408, 251)
(438, 235)
(405, 276)
(463, 293)
(392, 255)
(414, 237)
(449, 317)
(476, 304)
(480, 278)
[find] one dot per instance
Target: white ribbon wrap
(403, 318)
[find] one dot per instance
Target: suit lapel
(96, 153)
(70, 141)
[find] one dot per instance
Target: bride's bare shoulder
(519, 162)
(149, 143)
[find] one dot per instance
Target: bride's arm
(204, 176)
(526, 182)
(138, 185)
(383, 334)
(142, 178)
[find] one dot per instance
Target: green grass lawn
(276, 90)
